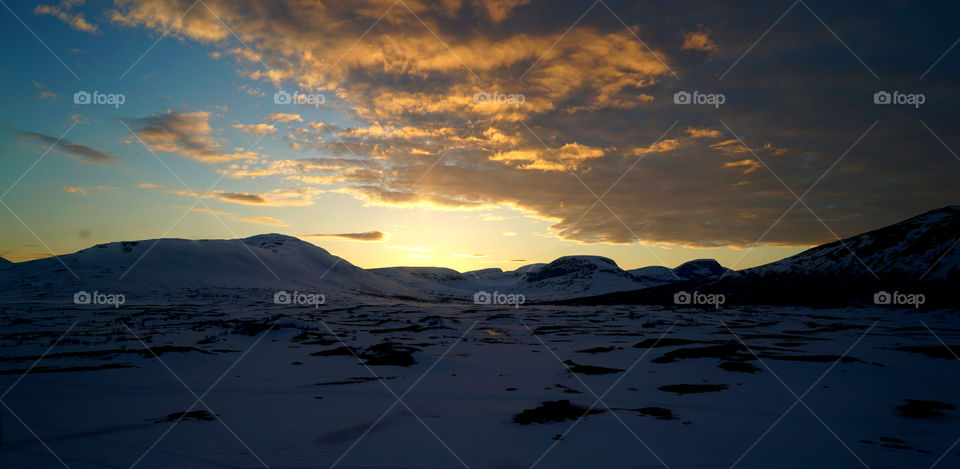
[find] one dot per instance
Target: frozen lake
(438, 386)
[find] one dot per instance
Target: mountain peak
(700, 268)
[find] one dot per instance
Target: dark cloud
(595, 102)
(187, 134)
(76, 151)
(365, 236)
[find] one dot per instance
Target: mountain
(270, 261)
(918, 255)
(4, 263)
(565, 277)
(695, 269)
(700, 268)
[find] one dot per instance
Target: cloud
(702, 132)
(187, 134)
(283, 118)
(76, 190)
(269, 221)
(85, 191)
(591, 101)
(365, 236)
(149, 185)
(75, 20)
(45, 94)
(76, 151)
(276, 198)
(699, 41)
(659, 147)
(257, 129)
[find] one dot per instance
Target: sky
(474, 134)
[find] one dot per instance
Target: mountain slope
(917, 255)
(269, 261)
(565, 277)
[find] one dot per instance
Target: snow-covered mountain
(691, 270)
(918, 255)
(566, 277)
(269, 261)
(277, 262)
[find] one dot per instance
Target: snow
(903, 250)
(310, 414)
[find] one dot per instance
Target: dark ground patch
(664, 342)
(739, 367)
(203, 415)
(813, 358)
(729, 351)
(358, 380)
(386, 353)
(597, 350)
(66, 369)
(932, 351)
(590, 369)
(920, 409)
(692, 388)
(656, 412)
(554, 411)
